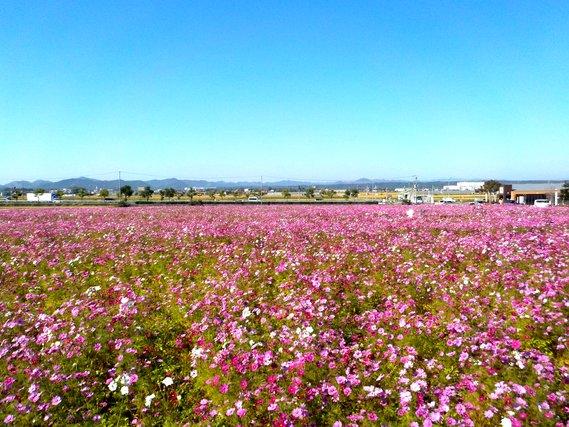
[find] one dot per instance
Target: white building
(464, 186)
(45, 197)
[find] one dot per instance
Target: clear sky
(287, 89)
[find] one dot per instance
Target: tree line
(489, 187)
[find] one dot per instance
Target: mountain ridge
(179, 184)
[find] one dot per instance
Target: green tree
(329, 193)
(309, 193)
(126, 191)
(346, 194)
(179, 194)
(59, 194)
(211, 194)
(286, 194)
(146, 193)
(16, 193)
(490, 187)
(354, 192)
(81, 192)
(162, 194)
(38, 192)
(564, 193)
(169, 192)
(104, 193)
(191, 193)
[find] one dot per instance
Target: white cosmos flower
(167, 381)
(506, 422)
(125, 379)
(197, 352)
(405, 396)
(112, 385)
(148, 400)
(124, 390)
(410, 213)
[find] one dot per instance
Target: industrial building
(464, 186)
(44, 197)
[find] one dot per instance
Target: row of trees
(169, 193)
(146, 193)
(330, 194)
(490, 187)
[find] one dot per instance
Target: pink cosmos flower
(298, 413)
(460, 409)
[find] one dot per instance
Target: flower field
(284, 315)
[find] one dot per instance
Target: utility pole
(119, 192)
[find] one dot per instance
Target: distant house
(44, 197)
(527, 193)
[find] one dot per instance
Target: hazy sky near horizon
(284, 89)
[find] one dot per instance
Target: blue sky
(307, 89)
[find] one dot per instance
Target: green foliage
(191, 193)
(329, 193)
(564, 193)
(169, 192)
(126, 191)
(81, 192)
(351, 192)
(146, 193)
(491, 186)
(16, 193)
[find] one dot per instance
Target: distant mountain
(179, 184)
(27, 184)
